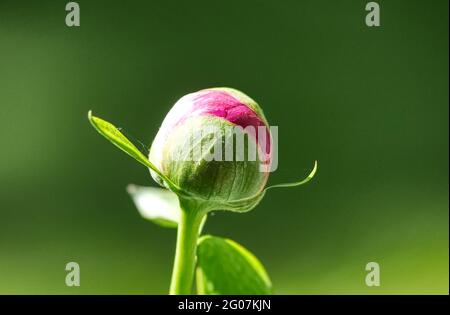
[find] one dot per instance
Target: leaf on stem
(225, 267)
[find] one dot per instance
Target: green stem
(185, 254)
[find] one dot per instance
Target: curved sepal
(302, 182)
(247, 204)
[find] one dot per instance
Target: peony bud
(197, 148)
(214, 152)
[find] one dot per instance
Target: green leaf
(113, 134)
(225, 267)
(159, 205)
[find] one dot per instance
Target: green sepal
(247, 204)
(294, 184)
(113, 134)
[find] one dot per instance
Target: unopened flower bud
(214, 144)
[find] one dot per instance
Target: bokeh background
(370, 104)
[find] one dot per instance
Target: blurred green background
(370, 104)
